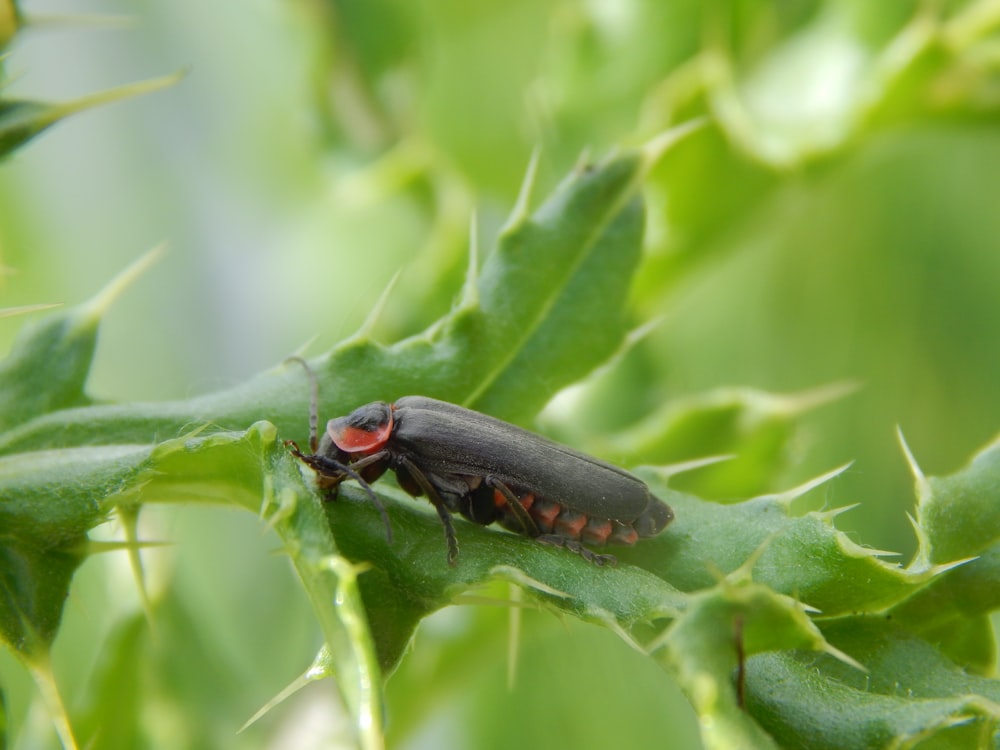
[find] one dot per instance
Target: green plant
(838, 648)
(369, 596)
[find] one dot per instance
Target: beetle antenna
(313, 403)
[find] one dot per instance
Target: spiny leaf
(68, 345)
(48, 365)
(910, 695)
(411, 578)
(703, 647)
(43, 531)
(805, 556)
(959, 514)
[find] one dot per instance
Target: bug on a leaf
(485, 469)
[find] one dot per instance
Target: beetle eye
(364, 430)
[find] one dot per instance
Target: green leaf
(411, 578)
(911, 696)
(705, 644)
(65, 341)
(803, 556)
(43, 532)
(63, 344)
(958, 515)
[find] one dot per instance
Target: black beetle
(487, 470)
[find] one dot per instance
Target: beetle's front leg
(330, 473)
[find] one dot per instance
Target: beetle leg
(363, 463)
(327, 467)
(574, 546)
(435, 497)
(515, 505)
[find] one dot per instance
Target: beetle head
(364, 431)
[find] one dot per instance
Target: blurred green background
(836, 221)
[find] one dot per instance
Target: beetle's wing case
(445, 438)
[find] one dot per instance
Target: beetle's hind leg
(531, 529)
(517, 508)
(574, 546)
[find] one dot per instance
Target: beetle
(485, 469)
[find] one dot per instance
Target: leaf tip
(846, 658)
(99, 304)
(522, 207)
(853, 549)
(923, 487)
(671, 470)
(10, 312)
(371, 320)
(936, 570)
(310, 675)
(788, 496)
(470, 289)
(805, 401)
(518, 577)
(832, 513)
(64, 109)
(129, 516)
(744, 573)
(40, 668)
(657, 146)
